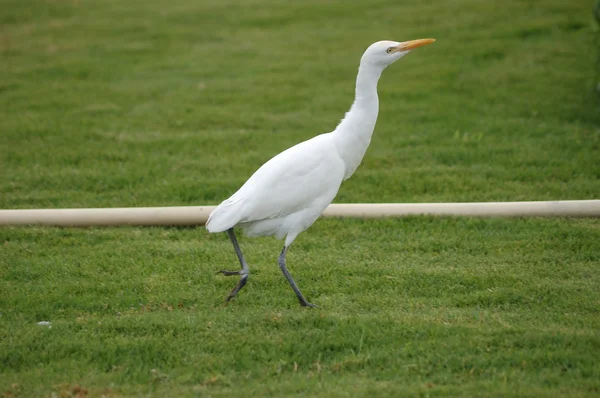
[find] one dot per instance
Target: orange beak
(410, 45)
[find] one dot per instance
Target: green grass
(156, 103)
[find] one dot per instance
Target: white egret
(289, 192)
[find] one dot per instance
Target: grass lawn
(156, 103)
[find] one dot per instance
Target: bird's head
(384, 53)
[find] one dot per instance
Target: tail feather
(225, 216)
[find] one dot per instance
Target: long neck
(354, 132)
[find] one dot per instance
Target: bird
(287, 194)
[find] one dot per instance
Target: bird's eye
(389, 50)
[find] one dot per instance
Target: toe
(228, 273)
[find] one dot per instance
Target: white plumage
(289, 192)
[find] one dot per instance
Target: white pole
(565, 208)
(197, 215)
(184, 215)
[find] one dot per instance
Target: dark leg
(286, 273)
(244, 272)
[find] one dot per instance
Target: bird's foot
(237, 287)
(229, 273)
(307, 304)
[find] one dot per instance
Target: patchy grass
(150, 103)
